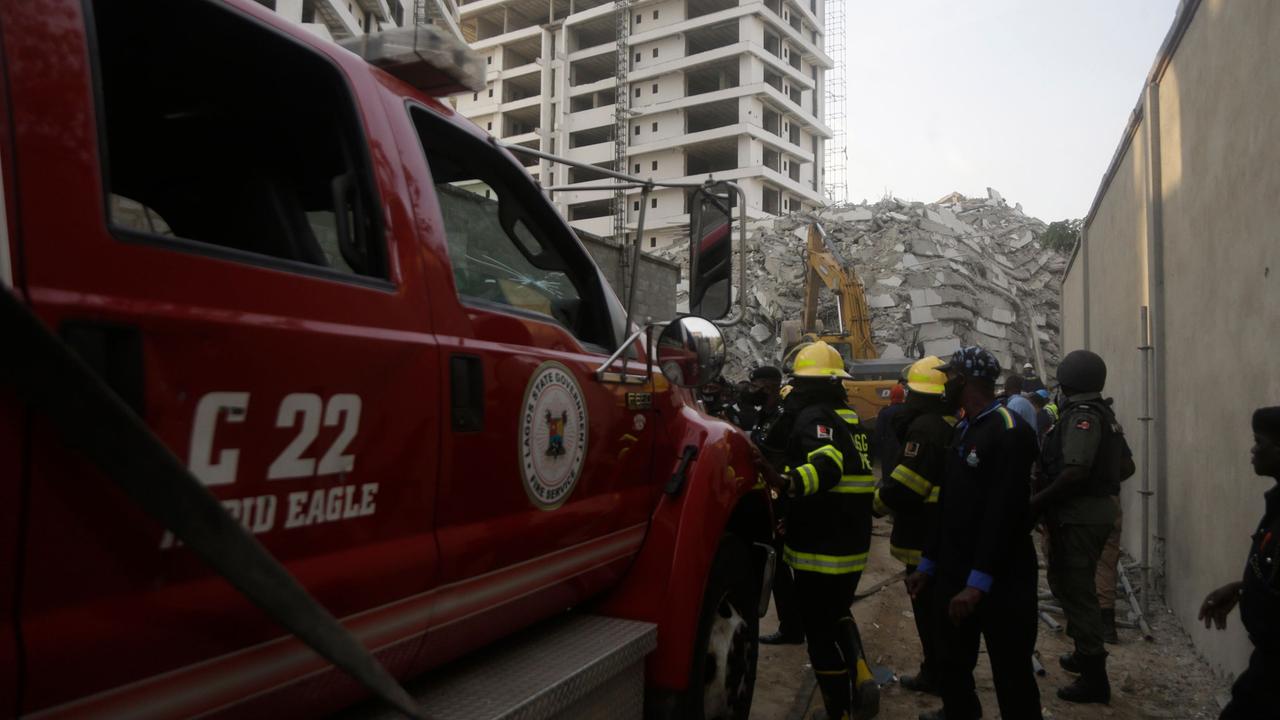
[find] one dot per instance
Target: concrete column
(544, 119)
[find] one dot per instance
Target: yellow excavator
(873, 378)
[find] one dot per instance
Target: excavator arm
(825, 268)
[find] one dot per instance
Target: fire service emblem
(553, 435)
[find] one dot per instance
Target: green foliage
(1062, 235)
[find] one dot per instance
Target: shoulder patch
(824, 432)
(1007, 417)
(1083, 424)
(912, 449)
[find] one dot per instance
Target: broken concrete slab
(925, 297)
(1002, 316)
(907, 295)
(921, 315)
(942, 348)
(986, 327)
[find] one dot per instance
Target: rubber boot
(834, 687)
(1109, 635)
(865, 691)
(1070, 662)
(1092, 686)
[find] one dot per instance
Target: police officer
(1079, 515)
(911, 489)
(1256, 693)
(981, 560)
(759, 398)
(827, 478)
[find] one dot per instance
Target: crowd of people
(973, 470)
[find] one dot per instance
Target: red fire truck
(309, 391)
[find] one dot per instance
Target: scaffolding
(835, 180)
(621, 112)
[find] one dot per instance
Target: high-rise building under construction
(663, 89)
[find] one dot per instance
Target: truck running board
(573, 666)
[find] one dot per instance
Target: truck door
(551, 489)
(12, 436)
(201, 220)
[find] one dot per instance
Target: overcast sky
(1027, 96)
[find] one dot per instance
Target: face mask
(951, 392)
(755, 397)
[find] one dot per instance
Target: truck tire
(723, 677)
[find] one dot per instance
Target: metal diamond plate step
(576, 666)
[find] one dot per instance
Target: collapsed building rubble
(959, 271)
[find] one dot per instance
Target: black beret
(1266, 421)
(768, 372)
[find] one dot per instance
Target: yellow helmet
(924, 376)
(819, 360)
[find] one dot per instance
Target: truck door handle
(114, 352)
(466, 393)
(682, 470)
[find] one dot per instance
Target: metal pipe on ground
(1147, 634)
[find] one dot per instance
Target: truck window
(248, 148)
(506, 245)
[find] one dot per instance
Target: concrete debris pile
(937, 276)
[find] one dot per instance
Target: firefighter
(981, 559)
(1256, 693)
(911, 490)
(1079, 515)
(827, 478)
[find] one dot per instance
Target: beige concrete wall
(1220, 151)
(1218, 337)
(1117, 271)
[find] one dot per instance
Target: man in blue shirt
(1022, 405)
(981, 559)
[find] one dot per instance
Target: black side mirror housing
(711, 251)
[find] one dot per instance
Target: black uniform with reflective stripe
(828, 526)
(913, 484)
(1256, 692)
(985, 518)
(1260, 595)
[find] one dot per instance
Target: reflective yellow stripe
(878, 505)
(826, 564)
(849, 416)
(829, 451)
(808, 479)
(855, 484)
(912, 479)
(933, 495)
(1008, 418)
(906, 555)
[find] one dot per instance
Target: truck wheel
(724, 664)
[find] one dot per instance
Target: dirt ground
(1160, 679)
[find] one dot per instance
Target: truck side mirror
(691, 351)
(711, 252)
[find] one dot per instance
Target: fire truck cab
(360, 325)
